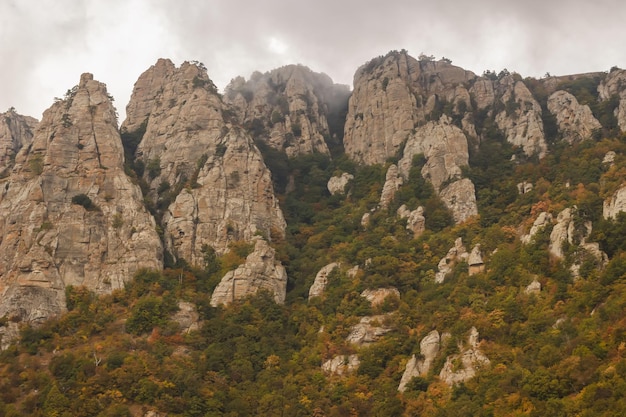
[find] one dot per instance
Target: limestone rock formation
(16, 132)
(533, 288)
(563, 231)
(446, 150)
(391, 96)
(341, 365)
(614, 85)
(460, 198)
(566, 230)
(290, 108)
(524, 187)
(337, 185)
(321, 280)
(69, 215)
(377, 297)
(206, 175)
(369, 330)
(616, 204)
(521, 120)
(443, 145)
(540, 222)
(393, 181)
(416, 222)
(471, 359)
(575, 121)
(609, 158)
(475, 261)
(455, 254)
(233, 200)
(429, 348)
(261, 271)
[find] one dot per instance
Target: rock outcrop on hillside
(205, 174)
(16, 132)
(392, 95)
(393, 181)
(397, 109)
(575, 121)
(337, 184)
(69, 215)
(469, 361)
(261, 271)
(614, 85)
(429, 349)
(616, 204)
(290, 108)
(456, 253)
(520, 120)
(341, 365)
(321, 280)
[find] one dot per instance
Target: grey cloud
(232, 37)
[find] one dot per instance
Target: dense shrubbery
(558, 352)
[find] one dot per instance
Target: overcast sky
(46, 44)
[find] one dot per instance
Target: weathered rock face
(321, 280)
(337, 185)
(208, 174)
(524, 187)
(615, 204)
(562, 232)
(455, 254)
(378, 296)
(369, 330)
(575, 122)
(261, 271)
(233, 200)
(391, 96)
(475, 261)
(445, 148)
(415, 220)
(16, 132)
(69, 214)
(393, 181)
(521, 120)
(566, 230)
(540, 222)
(614, 86)
(290, 108)
(341, 365)
(471, 359)
(460, 198)
(429, 348)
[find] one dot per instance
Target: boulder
(341, 365)
(321, 280)
(337, 184)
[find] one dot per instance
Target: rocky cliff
(69, 215)
(206, 177)
(16, 132)
(290, 108)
